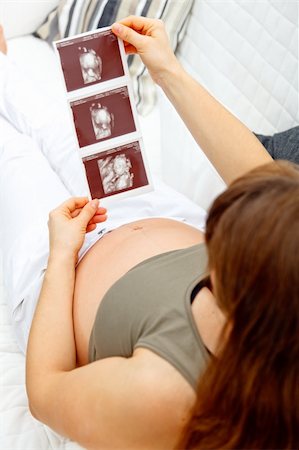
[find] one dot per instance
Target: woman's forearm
(51, 346)
(230, 146)
(51, 352)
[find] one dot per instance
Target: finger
(90, 228)
(88, 212)
(73, 203)
(138, 23)
(99, 211)
(130, 49)
(98, 219)
(127, 34)
(76, 212)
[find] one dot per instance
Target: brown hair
(248, 397)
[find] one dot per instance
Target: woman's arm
(137, 403)
(51, 345)
(229, 145)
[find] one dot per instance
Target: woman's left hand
(69, 222)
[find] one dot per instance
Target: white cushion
(246, 54)
(21, 17)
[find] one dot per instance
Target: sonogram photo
(103, 116)
(91, 65)
(116, 173)
(90, 59)
(102, 121)
(116, 170)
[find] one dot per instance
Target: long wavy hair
(248, 398)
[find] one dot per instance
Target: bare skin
(141, 402)
(133, 243)
(3, 44)
(145, 375)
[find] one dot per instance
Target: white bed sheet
(18, 429)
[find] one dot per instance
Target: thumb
(88, 212)
(127, 34)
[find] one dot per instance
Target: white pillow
(23, 17)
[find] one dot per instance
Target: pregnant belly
(111, 257)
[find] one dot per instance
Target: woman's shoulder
(167, 393)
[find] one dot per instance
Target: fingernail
(94, 203)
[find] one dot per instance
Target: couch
(245, 53)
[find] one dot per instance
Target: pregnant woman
(148, 334)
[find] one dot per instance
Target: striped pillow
(77, 16)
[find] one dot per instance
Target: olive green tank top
(150, 307)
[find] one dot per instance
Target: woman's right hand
(148, 38)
